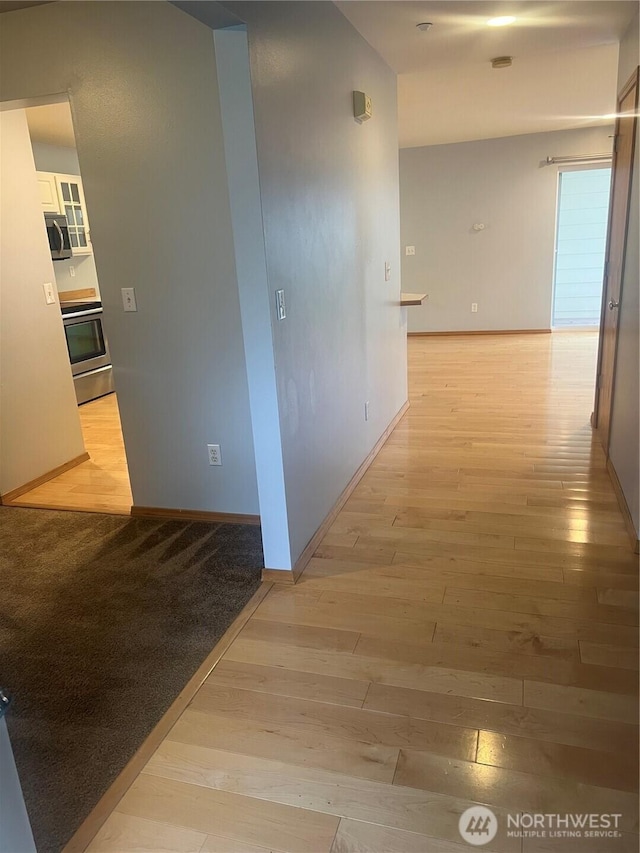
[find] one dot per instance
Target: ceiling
(564, 72)
(51, 124)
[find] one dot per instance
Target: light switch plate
(387, 271)
(49, 293)
(129, 298)
(409, 250)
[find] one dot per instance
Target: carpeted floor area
(103, 620)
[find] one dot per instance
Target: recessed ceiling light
(502, 21)
(424, 26)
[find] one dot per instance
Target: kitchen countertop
(412, 298)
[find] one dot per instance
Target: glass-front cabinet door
(73, 209)
(72, 204)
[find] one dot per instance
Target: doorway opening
(581, 236)
(60, 221)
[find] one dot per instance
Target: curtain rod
(583, 159)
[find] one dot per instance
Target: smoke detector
(501, 61)
(424, 26)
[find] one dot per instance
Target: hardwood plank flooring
(465, 633)
(514, 790)
(219, 811)
(552, 759)
(287, 742)
(101, 484)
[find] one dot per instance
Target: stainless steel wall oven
(88, 350)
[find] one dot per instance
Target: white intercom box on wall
(361, 106)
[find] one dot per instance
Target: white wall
(330, 209)
(625, 418)
(508, 267)
(143, 92)
(39, 422)
(64, 161)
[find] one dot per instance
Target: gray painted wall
(236, 102)
(507, 268)
(330, 209)
(143, 92)
(55, 158)
(145, 102)
(15, 830)
(625, 418)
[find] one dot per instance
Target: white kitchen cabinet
(48, 192)
(64, 194)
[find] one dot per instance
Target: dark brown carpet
(103, 620)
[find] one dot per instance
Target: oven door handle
(60, 234)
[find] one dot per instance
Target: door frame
(597, 416)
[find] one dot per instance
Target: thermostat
(361, 106)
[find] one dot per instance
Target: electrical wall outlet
(409, 250)
(281, 308)
(128, 298)
(72, 271)
(366, 411)
(214, 454)
(474, 307)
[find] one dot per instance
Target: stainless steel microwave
(58, 234)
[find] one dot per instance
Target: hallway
(464, 634)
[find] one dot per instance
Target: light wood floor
(102, 483)
(465, 633)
